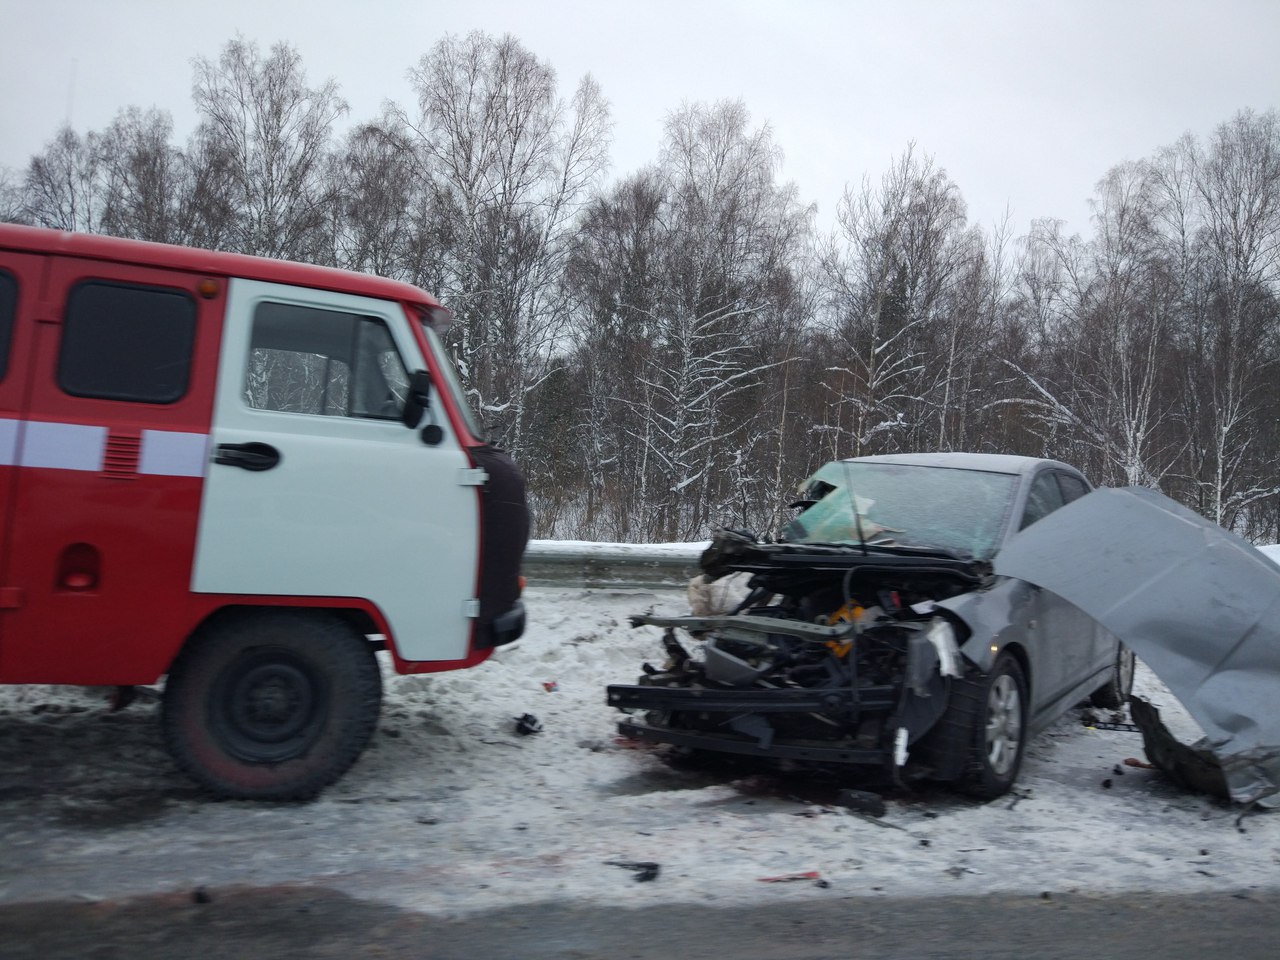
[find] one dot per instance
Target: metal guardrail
(620, 566)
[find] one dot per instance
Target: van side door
(111, 454)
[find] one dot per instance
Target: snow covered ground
(452, 811)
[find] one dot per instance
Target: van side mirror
(418, 399)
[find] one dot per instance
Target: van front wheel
(271, 705)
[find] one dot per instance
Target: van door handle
(247, 456)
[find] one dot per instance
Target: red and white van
(246, 475)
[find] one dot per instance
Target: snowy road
(452, 813)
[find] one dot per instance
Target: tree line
(677, 347)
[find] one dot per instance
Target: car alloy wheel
(1004, 725)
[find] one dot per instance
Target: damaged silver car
(879, 631)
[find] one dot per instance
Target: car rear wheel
(1114, 694)
(271, 705)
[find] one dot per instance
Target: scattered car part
(1192, 767)
(527, 724)
(861, 801)
(813, 875)
(645, 870)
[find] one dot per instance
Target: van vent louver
(120, 459)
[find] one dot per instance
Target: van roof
(39, 240)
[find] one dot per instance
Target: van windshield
(452, 383)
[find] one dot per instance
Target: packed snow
(451, 810)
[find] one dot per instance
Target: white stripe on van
(168, 453)
(81, 446)
(63, 446)
(8, 441)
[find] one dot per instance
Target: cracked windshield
(961, 511)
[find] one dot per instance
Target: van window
(8, 308)
(123, 342)
(323, 363)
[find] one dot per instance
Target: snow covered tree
(1099, 383)
(689, 299)
(509, 164)
(894, 276)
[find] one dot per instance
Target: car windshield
(892, 504)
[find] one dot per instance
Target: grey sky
(1024, 104)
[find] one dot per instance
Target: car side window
(1043, 498)
(1073, 488)
(324, 363)
(8, 309)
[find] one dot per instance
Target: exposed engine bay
(837, 655)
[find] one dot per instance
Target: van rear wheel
(271, 705)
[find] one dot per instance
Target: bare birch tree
(1100, 385)
(730, 233)
(893, 273)
(274, 132)
(1238, 181)
(12, 201)
(511, 164)
(146, 178)
(64, 186)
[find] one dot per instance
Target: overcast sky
(1024, 104)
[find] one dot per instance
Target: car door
(317, 488)
(1103, 649)
(1063, 641)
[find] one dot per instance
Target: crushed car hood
(1198, 605)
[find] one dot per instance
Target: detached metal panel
(1199, 605)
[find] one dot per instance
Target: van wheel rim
(268, 707)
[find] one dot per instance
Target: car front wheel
(999, 732)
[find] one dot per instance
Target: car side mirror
(418, 399)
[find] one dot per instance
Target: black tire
(271, 705)
(956, 750)
(959, 748)
(1114, 694)
(999, 731)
